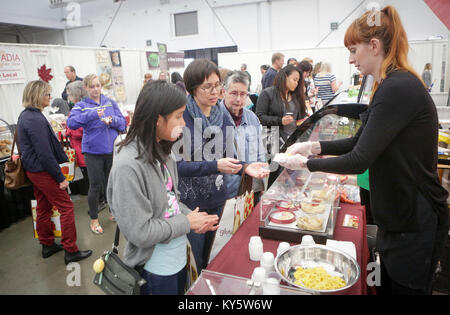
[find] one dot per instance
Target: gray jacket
(137, 197)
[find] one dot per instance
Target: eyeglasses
(236, 94)
(211, 87)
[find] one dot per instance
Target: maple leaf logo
(44, 73)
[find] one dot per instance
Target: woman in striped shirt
(326, 82)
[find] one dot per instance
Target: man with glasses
(246, 128)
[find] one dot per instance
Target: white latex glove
(304, 148)
(294, 162)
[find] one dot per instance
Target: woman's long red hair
(390, 32)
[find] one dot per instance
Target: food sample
(324, 194)
(314, 206)
(286, 205)
(282, 217)
(317, 181)
(318, 279)
(310, 223)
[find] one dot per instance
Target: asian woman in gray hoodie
(143, 192)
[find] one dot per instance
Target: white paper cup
(267, 261)
(271, 287)
(259, 275)
(282, 247)
(307, 240)
(255, 251)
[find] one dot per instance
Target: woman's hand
(257, 170)
(228, 166)
(294, 162)
(63, 185)
(202, 222)
(286, 120)
(304, 148)
(107, 120)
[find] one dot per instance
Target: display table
(234, 258)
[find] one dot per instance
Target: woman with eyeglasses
(283, 103)
(205, 154)
(41, 154)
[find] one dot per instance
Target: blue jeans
(202, 243)
(164, 285)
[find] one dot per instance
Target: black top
(268, 78)
(270, 109)
(397, 142)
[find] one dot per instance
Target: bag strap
(13, 145)
(115, 246)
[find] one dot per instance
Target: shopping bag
(68, 168)
(235, 211)
(191, 267)
(55, 220)
(229, 222)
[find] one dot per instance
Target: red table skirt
(234, 258)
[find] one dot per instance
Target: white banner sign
(11, 66)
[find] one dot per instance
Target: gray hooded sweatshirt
(137, 197)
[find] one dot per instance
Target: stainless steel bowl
(334, 261)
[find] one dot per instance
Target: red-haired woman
(397, 142)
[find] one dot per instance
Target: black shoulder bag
(116, 278)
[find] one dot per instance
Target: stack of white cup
(267, 261)
(255, 248)
(271, 287)
(282, 247)
(259, 275)
(307, 240)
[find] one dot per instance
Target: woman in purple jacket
(102, 121)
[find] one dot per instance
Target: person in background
(201, 167)
(143, 193)
(163, 76)
(306, 68)
(223, 74)
(147, 78)
(41, 154)
(75, 93)
(283, 103)
(292, 62)
(71, 75)
(247, 129)
(325, 81)
(244, 69)
(60, 106)
(271, 73)
(397, 142)
(102, 121)
(316, 69)
(263, 69)
(177, 79)
(307, 59)
(426, 75)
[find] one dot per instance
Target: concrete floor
(24, 271)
